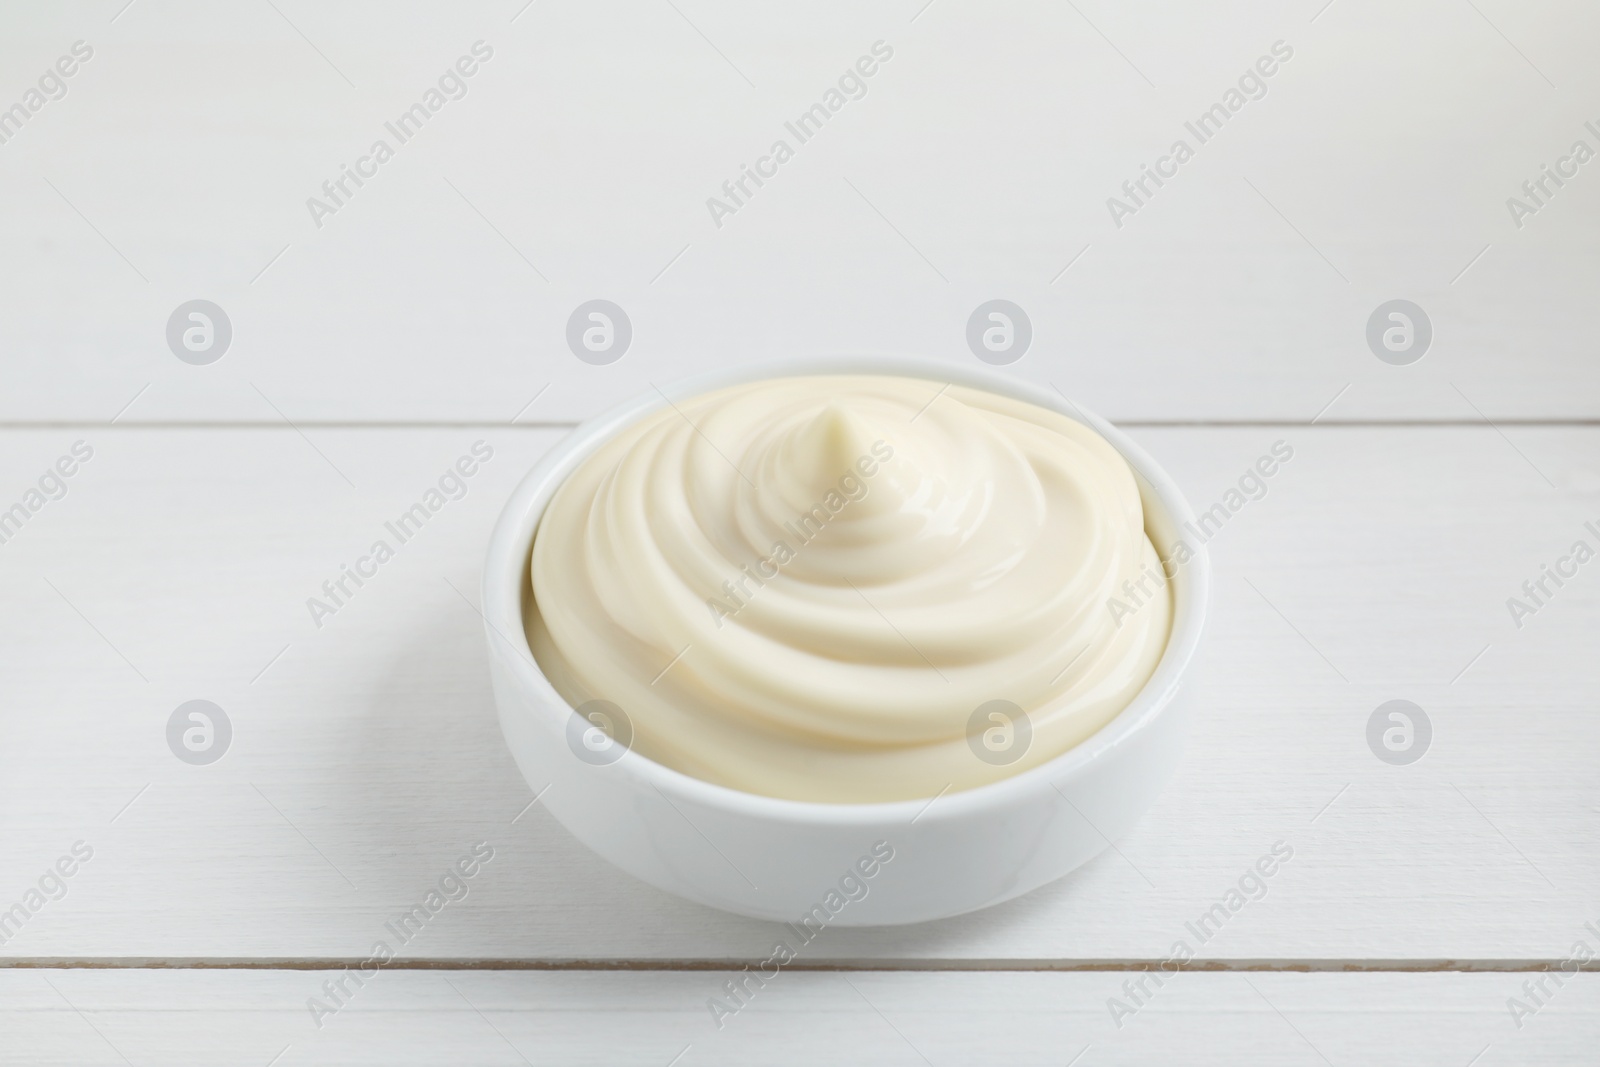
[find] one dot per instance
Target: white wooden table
(1229, 312)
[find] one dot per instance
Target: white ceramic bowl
(786, 859)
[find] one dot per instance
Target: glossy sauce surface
(808, 587)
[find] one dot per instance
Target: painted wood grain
(365, 754)
(979, 163)
(116, 1017)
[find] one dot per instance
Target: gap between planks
(490, 424)
(1300, 966)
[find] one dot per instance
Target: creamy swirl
(805, 587)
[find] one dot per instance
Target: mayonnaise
(807, 587)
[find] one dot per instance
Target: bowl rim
(510, 544)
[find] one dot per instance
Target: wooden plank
(979, 165)
(399, 1017)
(366, 755)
